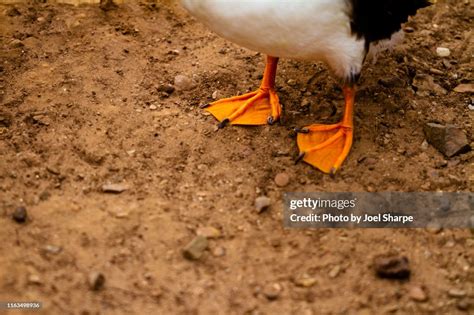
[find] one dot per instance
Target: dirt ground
(88, 98)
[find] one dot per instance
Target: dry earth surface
(89, 98)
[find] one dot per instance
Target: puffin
(340, 33)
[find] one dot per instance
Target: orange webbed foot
(325, 146)
(256, 108)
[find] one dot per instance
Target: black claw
(301, 130)
(300, 157)
(223, 123)
(332, 172)
(204, 106)
(270, 120)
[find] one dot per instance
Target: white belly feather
(298, 29)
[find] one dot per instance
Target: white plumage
(317, 30)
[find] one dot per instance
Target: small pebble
(167, 88)
(262, 203)
(52, 249)
(153, 107)
(443, 52)
(20, 215)
(272, 291)
(334, 272)
(209, 232)
(305, 281)
(195, 249)
(456, 293)
(215, 94)
(449, 140)
(392, 267)
(183, 83)
(114, 188)
(305, 102)
(282, 179)
(418, 294)
(16, 43)
(34, 279)
(434, 227)
(291, 82)
(96, 280)
(463, 305)
(218, 252)
(464, 88)
(424, 145)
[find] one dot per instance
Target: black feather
(376, 20)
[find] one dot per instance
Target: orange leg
(327, 146)
(256, 108)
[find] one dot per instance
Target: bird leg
(327, 146)
(256, 108)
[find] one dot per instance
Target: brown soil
(77, 84)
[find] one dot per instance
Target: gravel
(262, 203)
(418, 294)
(449, 140)
(20, 215)
(272, 291)
(195, 249)
(443, 52)
(392, 267)
(282, 179)
(114, 188)
(209, 232)
(96, 280)
(183, 83)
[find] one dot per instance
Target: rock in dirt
(272, 291)
(183, 83)
(107, 5)
(417, 294)
(52, 249)
(218, 251)
(5, 120)
(449, 140)
(305, 281)
(96, 280)
(16, 43)
(195, 249)
(392, 267)
(463, 305)
(443, 52)
(34, 279)
(456, 293)
(209, 232)
(464, 88)
(334, 272)
(282, 179)
(167, 88)
(425, 85)
(114, 188)
(262, 203)
(20, 215)
(434, 227)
